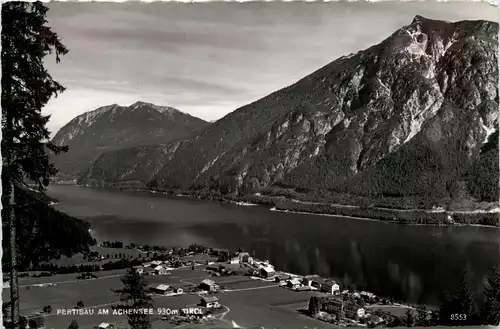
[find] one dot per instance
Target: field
(248, 302)
(111, 254)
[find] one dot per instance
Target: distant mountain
(406, 117)
(113, 127)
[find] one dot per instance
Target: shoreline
(378, 220)
(421, 217)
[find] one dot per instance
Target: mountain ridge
(398, 103)
(113, 127)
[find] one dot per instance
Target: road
(253, 288)
(69, 281)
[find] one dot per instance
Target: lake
(411, 263)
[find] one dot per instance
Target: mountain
(406, 117)
(113, 127)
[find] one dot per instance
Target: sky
(208, 59)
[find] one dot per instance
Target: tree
(47, 309)
(80, 304)
(134, 296)
(459, 307)
(314, 305)
(23, 322)
(395, 322)
(408, 318)
(33, 230)
(490, 312)
(434, 320)
(73, 325)
(26, 87)
(422, 317)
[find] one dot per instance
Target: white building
(161, 289)
(210, 302)
(293, 283)
(161, 270)
(330, 287)
(139, 269)
(234, 260)
(267, 272)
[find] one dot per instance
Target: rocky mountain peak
(170, 111)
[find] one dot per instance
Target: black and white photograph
(255, 165)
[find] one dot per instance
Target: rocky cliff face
(114, 127)
(405, 117)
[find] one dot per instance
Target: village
(207, 287)
(345, 307)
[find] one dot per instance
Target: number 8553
(458, 317)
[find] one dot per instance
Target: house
(156, 262)
(266, 272)
(139, 269)
(105, 325)
(245, 257)
(316, 284)
(330, 287)
(210, 302)
(148, 264)
(148, 271)
(354, 311)
(234, 260)
(293, 283)
(265, 264)
(221, 253)
(306, 282)
(309, 279)
(333, 306)
(164, 289)
(281, 278)
(212, 268)
(209, 285)
(161, 270)
(368, 296)
(177, 290)
(161, 289)
(343, 309)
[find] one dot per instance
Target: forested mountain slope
(406, 117)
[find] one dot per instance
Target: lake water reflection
(410, 263)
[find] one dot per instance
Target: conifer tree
(133, 295)
(422, 317)
(314, 305)
(490, 312)
(26, 88)
(408, 318)
(459, 308)
(73, 325)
